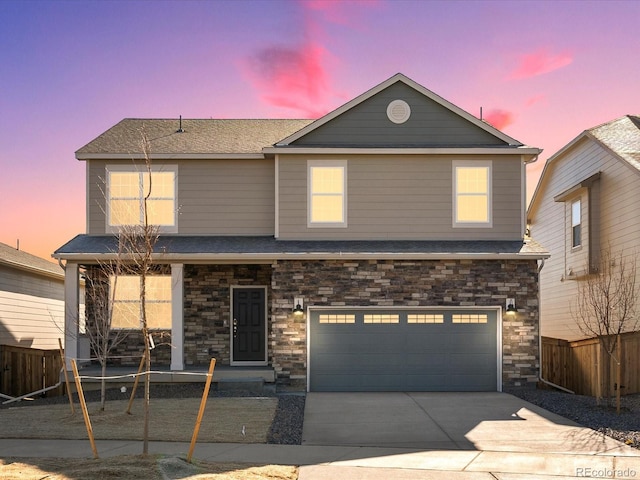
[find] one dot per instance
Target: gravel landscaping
(585, 411)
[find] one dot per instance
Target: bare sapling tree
(101, 285)
(137, 244)
(606, 306)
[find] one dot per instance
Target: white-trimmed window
(472, 194)
(127, 307)
(127, 189)
(576, 223)
(327, 185)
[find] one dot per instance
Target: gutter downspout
(540, 377)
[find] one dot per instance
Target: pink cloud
(337, 11)
(535, 99)
(499, 118)
(299, 77)
(539, 63)
(294, 78)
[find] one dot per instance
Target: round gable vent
(398, 111)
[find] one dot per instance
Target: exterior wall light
(511, 306)
(299, 303)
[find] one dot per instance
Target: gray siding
(367, 124)
(551, 224)
(217, 197)
(400, 197)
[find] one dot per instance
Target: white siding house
(31, 300)
(586, 200)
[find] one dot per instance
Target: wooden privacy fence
(575, 365)
(25, 370)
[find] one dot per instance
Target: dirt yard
(170, 420)
(138, 468)
(227, 420)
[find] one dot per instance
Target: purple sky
(542, 71)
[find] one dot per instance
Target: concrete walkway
(355, 463)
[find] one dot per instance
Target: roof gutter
(534, 158)
(525, 151)
(269, 257)
(170, 156)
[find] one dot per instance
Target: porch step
(253, 385)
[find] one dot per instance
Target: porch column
(177, 316)
(71, 312)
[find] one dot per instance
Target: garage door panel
(475, 383)
(363, 383)
(407, 355)
(426, 362)
(434, 343)
(476, 345)
(354, 363)
(473, 364)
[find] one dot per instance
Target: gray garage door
(403, 350)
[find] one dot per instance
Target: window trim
(109, 228)
(575, 246)
(331, 164)
(488, 164)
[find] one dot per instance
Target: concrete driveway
(490, 421)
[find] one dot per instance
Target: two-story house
(586, 205)
(376, 248)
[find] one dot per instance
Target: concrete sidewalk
(330, 462)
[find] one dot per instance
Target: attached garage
(403, 350)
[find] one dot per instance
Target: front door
(248, 328)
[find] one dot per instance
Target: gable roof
(255, 138)
(621, 137)
(400, 78)
(199, 138)
(20, 260)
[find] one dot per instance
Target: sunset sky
(542, 72)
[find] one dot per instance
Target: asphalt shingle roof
(25, 261)
(622, 136)
(199, 136)
(242, 245)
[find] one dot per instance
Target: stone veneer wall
(387, 283)
(207, 306)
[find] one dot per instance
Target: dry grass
(138, 468)
(170, 420)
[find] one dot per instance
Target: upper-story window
(127, 189)
(127, 306)
(327, 193)
(472, 194)
(576, 223)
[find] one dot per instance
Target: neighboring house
(586, 201)
(393, 226)
(31, 300)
